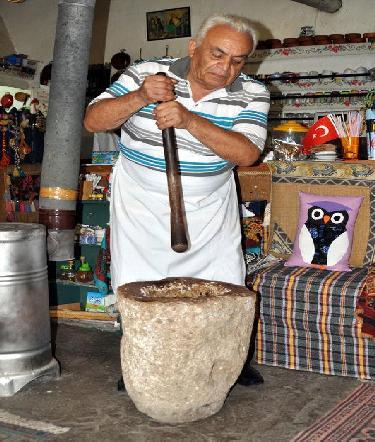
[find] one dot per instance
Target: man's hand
(110, 113)
(227, 144)
(172, 114)
(157, 88)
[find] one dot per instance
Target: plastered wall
(31, 25)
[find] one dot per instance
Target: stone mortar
(184, 344)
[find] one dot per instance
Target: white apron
(140, 227)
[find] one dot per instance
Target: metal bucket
(25, 335)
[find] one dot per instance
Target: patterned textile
(307, 321)
(254, 234)
(102, 266)
(353, 419)
(366, 305)
(281, 243)
(349, 177)
(325, 231)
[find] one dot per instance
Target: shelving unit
(308, 97)
(89, 212)
(315, 97)
(336, 57)
(67, 292)
(26, 217)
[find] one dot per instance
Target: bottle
(64, 269)
(70, 273)
(84, 273)
(370, 133)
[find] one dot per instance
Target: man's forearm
(110, 113)
(229, 145)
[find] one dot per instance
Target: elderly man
(220, 118)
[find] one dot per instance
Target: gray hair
(237, 22)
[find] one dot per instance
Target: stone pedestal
(184, 344)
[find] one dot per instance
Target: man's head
(219, 50)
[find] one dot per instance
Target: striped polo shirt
(241, 107)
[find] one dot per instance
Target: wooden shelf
(29, 169)
(330, 50)
(313, 108)
(72, 311)
(79, 284)
(17, 80)
(104, 202)
(335, 58)
(100, 169)
(342, 89)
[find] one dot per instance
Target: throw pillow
(253, 231)
(325, 231)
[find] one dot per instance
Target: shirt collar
(181, 67)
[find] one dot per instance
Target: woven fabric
(352, 419)
(345, 179)
(254, 233)
(325, 231)
(307, 321)
(366, 305)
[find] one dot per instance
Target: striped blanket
(307, 321)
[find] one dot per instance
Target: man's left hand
(172, 114)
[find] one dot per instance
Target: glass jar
(63, 271)
(70, 273)
(84, 273)
(287, 139)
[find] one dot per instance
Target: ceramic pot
(369, 36)
(262, 45)
(274, 43)
(7, 100)
(306, 41)
(120, 60)
(353, 36)
(322, 40)
(290, 42)
(337, 38)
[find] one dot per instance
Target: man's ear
(191, 48)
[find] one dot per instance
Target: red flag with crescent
(320, 132)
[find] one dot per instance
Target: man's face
(218, 60)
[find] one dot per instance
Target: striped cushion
(307, 321)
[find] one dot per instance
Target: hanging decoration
(6, 100)
(5, 159)
(21, 132)
(119, 61)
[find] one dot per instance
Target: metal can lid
(20, 231)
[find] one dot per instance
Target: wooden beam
(74, 314)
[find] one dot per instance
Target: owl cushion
(325, 231)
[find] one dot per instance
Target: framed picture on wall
(168, 23)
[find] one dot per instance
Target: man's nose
(225, 63)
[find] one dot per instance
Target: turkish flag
(320, 132)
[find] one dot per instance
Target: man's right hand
(111, 113)
(157, 88)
